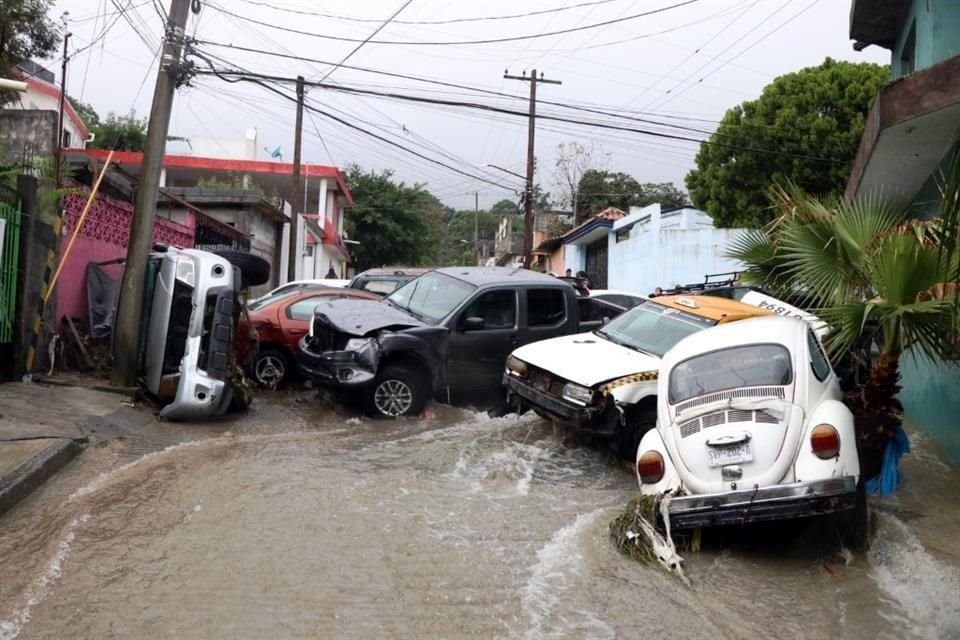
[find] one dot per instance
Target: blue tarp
(889, 479)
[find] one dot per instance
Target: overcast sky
(683, 66)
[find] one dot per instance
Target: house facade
(905, 149)
(648, 247)
(508, 245)
(43, 94)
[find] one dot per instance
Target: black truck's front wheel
(397, 391)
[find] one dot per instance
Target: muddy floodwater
(300, 521)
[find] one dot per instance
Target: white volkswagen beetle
(750, 427)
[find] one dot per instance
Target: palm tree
(885, 283)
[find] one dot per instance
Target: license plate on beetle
(720, 456)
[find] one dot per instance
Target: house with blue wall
(906, 142)
(648, 247)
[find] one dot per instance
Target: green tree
(26, 32)
(601, 189)
(505, 207)
(86, 112)
(813, 119)
(123, 133)
(884, 283)
(395, 223)
(458, 246)
(666, 193)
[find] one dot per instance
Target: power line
(741, 52)
(530, 36)
(364, 131)
(694, 52)
(368, 39)
(609, 111)
(304, 12)
(258, 78)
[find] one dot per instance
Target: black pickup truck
(445, 335)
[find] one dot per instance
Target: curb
(33, 473)
(124, 391)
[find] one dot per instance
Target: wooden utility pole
(293, 255)
(58, 156)
(528, 193)
(127, 327)
(476, 226)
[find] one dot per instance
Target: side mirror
(473, 324)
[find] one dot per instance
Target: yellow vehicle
(603, 384)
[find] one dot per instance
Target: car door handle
(514, 340)
(297, 332)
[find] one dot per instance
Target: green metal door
(9, 260)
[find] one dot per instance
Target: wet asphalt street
(301, 520)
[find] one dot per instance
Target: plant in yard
(885, 283)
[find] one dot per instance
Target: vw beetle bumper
(779, 502)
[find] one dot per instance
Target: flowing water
(300, 522)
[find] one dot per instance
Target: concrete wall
(678, 248)
(937, 28)
(33, 132)
(35, 100)
(930, 400)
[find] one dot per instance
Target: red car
(279, 322)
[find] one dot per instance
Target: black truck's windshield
(431, 297)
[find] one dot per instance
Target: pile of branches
(642, 533)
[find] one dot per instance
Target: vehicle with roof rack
(603, 384)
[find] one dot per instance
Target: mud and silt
(299, 522)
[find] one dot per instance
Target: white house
(649, 248)
(43, 94)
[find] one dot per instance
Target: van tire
(254, 270)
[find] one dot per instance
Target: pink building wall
(103, 237)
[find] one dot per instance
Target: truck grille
(691, 427)
(543, 382)
(324, 336)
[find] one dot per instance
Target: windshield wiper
(623, 343)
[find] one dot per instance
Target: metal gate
(597, 264)
(9, 260)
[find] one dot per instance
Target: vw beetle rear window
(755, 365)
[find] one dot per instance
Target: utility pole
(293, 256)
(127, 330)
(528, 194)
(476, 225)
(58, 161)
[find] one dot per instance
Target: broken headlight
(355, 344)
(516, 366)
(577, 393)
(186, 271)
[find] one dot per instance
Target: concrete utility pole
(293, 255)
(58, 157)
(528, 194)
(127, 328)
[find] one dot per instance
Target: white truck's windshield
(653, 328)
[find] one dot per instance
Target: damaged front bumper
(600, 420)
(346, 369)
(779, 502)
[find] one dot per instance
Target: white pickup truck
(603, 384)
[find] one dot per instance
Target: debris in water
(636, 533)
